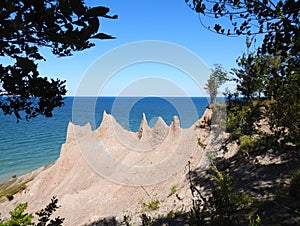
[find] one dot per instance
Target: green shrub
(254, 221)
(241, 117)
(152, 204)
(246, 142)
(173, 189)
(222, 205)
(18, 217)
(224, 200)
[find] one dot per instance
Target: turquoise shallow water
(26, 146)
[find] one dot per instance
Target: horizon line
(145, 96)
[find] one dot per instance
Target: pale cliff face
(109, 171)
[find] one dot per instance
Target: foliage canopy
(271, 71)
(64, 26)
(278, 21)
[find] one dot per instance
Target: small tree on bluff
(216, 79)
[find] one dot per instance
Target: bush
(18, 217)
(222, 205)
(173, 189)
(246, 142)
(241, 117)
(254, 221)
(225, 201)
(152, 204)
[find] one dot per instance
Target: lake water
(28, 145)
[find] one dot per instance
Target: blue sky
(168, 21)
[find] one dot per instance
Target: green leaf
(26, 64)
(97, 11)
(217, 27)
(216, 7)
(79, 23)
(94, 23)
(65, 8)
(111, 17)
(78, 7)
(69, 26)
(200, 8)
(103, 36)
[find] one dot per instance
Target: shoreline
(72, 178)
(41, 144)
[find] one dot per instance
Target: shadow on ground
(265, 175)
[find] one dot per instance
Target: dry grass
(9, 188)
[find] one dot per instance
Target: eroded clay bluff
(110, 171)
